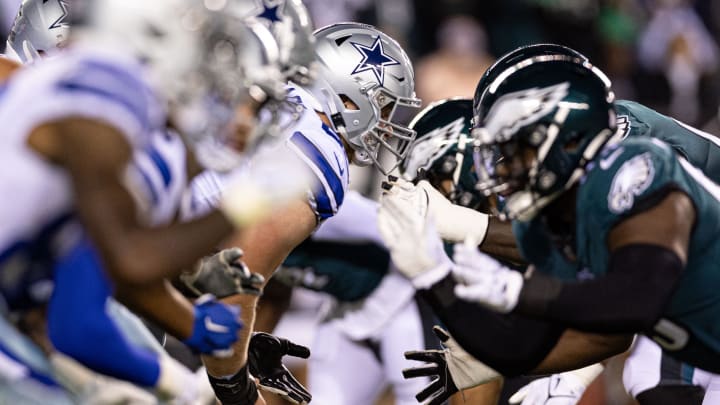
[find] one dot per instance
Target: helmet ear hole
(349, 104)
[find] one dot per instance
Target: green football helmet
(443, 151)
(543, 120)
(512, 58)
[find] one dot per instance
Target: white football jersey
(318, 146)
(38, 196)
(355, 223)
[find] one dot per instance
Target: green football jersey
(634, 120)
(347, 271)
(624, 179)
(698, 147)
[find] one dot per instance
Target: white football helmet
(39, 27)
(202, 58)
(360, 65)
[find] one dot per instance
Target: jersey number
(670, 335)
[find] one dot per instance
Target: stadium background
(662, 53)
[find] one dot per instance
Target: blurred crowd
(662, 53)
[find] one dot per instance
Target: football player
(370, 312)
(350, 113)
(637, 121)
(625, 215)
(132, 121)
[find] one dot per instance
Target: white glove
(558, 389)
(273, 178)
(93, 388)
(454, 223)
(415, 247)
(180, 386)
(484, 280)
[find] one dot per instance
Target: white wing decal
(632, 179)
(515, 110)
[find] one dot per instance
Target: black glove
(442, 386)
(265, 361)
(223, 275)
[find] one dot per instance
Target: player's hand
(484, 280)
(274, 177)
(452, 369)
(415, 247)
(558, 389)
(222, 275)
(90, 387)
(265, 361)
(215, 328)
(454, 223)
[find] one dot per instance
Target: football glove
(94, 388)
(484, 280)
(265, 362)
(415, 247)
(452, 370)
(454, 222)
(215, 327)
(222, 275)
(558, 389)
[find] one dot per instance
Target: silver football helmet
(39, 27)
(202, 59)
(365, 84)
(290, 24)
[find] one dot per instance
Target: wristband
(239, 389)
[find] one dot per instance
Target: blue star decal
(60, 22)
(374, 58)
(270, 13)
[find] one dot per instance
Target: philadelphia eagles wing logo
(430, 147)
(516, 110)
(631, 180)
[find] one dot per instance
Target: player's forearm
(162, 304)
(135, 256)
(228, 366)
(577, 349)
(500, 242)
(511, 345)
(628, 299)
(273, 304)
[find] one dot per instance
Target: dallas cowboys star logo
(374, 58)
(270, 13)
(60, 22)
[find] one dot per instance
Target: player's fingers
(427, 356)
(441, 333)
(519, 396)
(229, 256)
(439, 399)
(297, 350)
(465, 274)
(421, 371)
(433, 389)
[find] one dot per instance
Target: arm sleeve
(630, 298)
(511, 344)
(79, 325)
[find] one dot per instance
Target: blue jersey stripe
(161, 164)
(324, 205)
(34, 374)
(110, 83)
